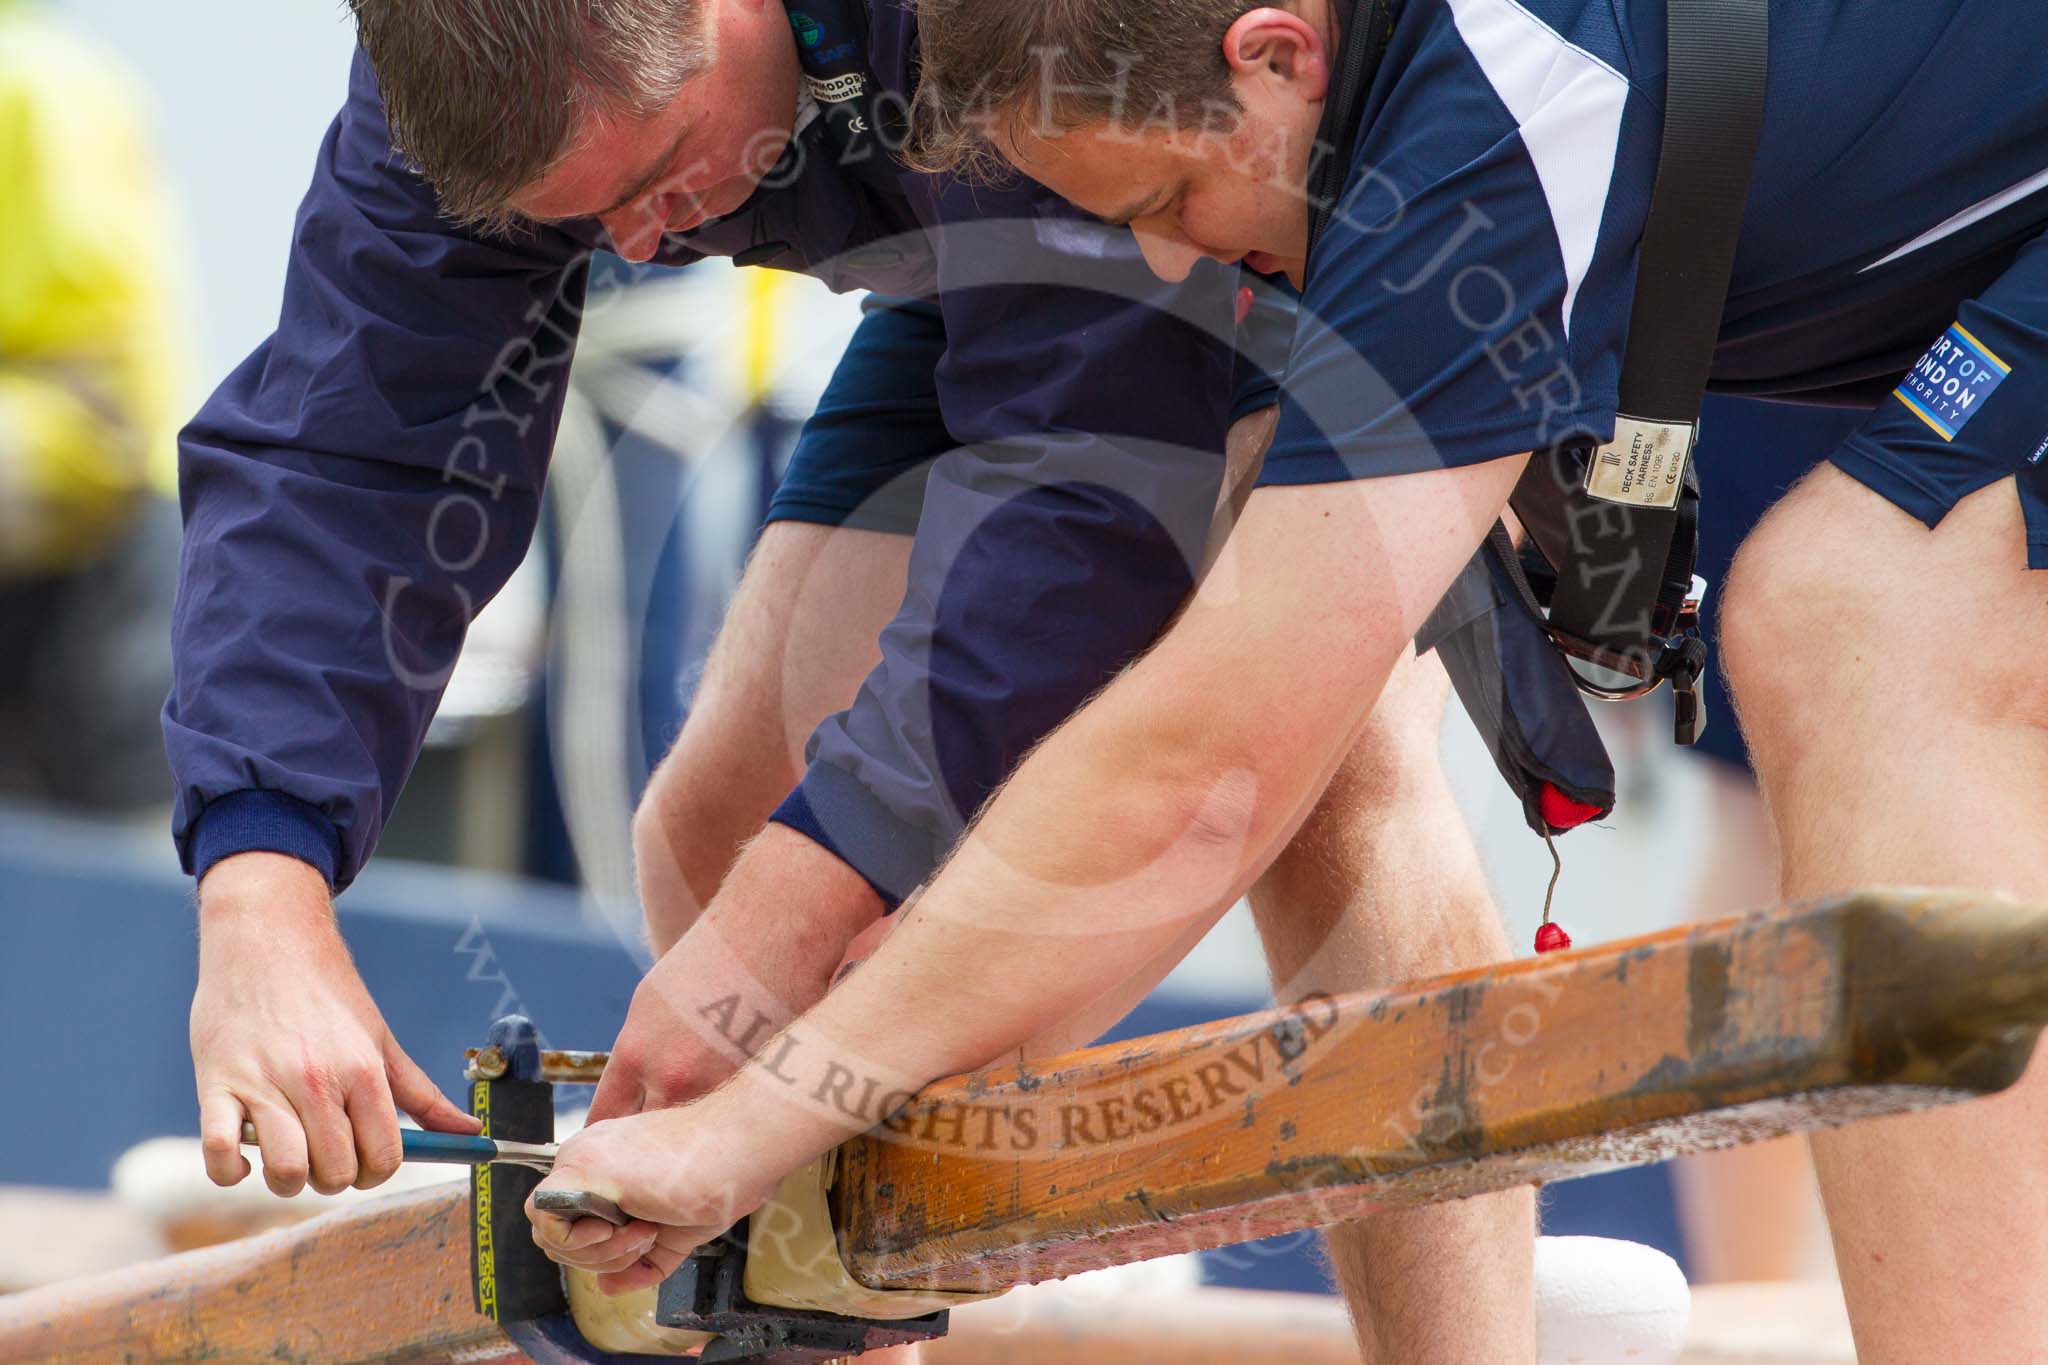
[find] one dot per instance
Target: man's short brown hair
(485, 96)
(993, 68)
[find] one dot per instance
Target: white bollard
(1606, 1302)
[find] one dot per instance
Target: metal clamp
(512, 1090)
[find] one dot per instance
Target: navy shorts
(862, 457)
(1970, 412)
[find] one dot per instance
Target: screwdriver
(453, 1149)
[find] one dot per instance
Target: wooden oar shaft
(383, 1282)
(1534, 1071)
(1529, 1072)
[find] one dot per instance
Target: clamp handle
(580, 1204)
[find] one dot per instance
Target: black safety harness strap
(1623, 518)
(1626, 598)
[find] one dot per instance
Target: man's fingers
(220, 1138)
(283, 1140)
(649, 1270)
(550, 1233)
(415, 1092)
(592, 1244)
(330, 1137)
(373, 1123)
(628, 1257)
(671, 1248)
(560, 1232)
(597, 1236)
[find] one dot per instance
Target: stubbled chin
(1266, 263)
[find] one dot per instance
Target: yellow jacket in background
(89, 375)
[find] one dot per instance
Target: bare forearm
(1094, 862)
(1163, 800)
(1154, 808)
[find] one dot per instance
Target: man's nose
(635, 231)
(1170, 255)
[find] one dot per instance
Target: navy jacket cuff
(833, 808)
(256, 821)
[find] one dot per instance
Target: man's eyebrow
(1137, 210)
(646, 181)
(640, 185)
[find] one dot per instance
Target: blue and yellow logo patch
(1946, 386)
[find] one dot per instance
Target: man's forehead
(1096, 152)
(610, 163)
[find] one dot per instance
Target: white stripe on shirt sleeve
(1568, 104)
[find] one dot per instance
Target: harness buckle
(1679, 658)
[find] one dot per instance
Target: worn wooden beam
(1523, 1073)
(1529, 1072)
(386, 1281)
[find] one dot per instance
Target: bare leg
(1890, 683)
(1750, 1213)
(798, 639)
(1381, 886)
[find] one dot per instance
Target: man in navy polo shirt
(1469, 305)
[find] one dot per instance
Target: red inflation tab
(1562, 812)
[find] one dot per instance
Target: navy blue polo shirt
(1471, 299)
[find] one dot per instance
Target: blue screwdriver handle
(455, 1149)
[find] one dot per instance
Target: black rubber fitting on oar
(513, 1279)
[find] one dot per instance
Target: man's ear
(1280, 44)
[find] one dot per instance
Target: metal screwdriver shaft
(453, 1149)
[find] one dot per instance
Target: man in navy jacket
(366, 480)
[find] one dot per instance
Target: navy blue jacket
(365, 482)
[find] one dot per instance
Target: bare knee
(797, 640)
(1382, 883)
(1777, 596)
(710, 770)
